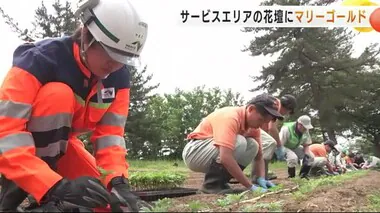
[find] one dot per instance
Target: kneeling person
(227, 141)
(336, 160)
(320, 152)
(296, 139)
(372, 162)
(270, 136)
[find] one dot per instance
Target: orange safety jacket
(101, 107)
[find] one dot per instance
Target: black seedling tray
(153, 195)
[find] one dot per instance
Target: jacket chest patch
(108, 93)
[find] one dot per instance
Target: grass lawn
(159, 165)
(179, 165)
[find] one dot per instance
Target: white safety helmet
(117, 26)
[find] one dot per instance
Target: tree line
(339, 91)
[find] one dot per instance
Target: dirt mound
(195, 180)
(348, 198)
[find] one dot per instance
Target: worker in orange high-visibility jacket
(59, 88)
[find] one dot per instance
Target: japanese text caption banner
(278, 16)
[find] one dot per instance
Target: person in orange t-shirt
(227, 141)
(270, 138)
(320, 152)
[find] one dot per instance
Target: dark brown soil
(195, 180)
(351, 197)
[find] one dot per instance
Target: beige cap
(305, 121)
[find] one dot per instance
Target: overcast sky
(178, 55)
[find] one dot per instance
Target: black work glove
(122, 197)
(82, 192)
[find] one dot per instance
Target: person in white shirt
(371, 162)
